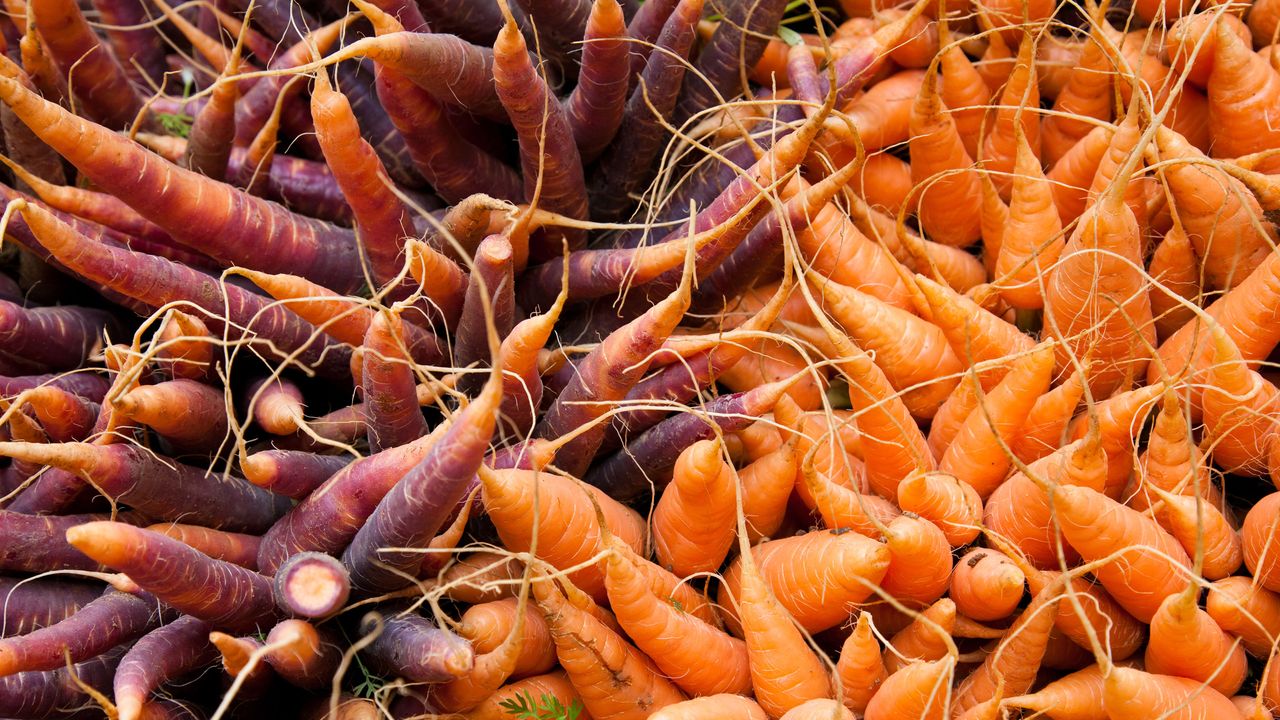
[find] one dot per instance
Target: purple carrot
(100, 82)
(738, 42)
(390, 386)
(312, 585)
(37, 543)
(477, 22)
(88, 385)
(382, 218)
(329, 518)
(454, 166)
(857, 65)
(560, 23)
(180, 576)
(236, 548)
(595, 107)
(225, 223)
(491, 278)
(189, 415)
(417, 507)
(340, 427)
(643, 29)
(647, 461)
(213, 133)
(159, 488)
(608, 373)
(141, 50)
(807, 85)
(549, 160)
(414, 648)
(161, 655)
(22, 429)
(626, 165)
(307, 657)
(406, 12)
(28, 605)
(56, 693)
(291, 473)
(64, 416)
(114, 618)
(55, 338)
(156, 281)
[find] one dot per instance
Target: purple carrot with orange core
(45, 694)
(312, 585)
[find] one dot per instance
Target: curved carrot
(919, 690)
(487, 625)
(974, 334)
(1013, 666)
(927, 637)
(920, 560)
(112, 619)
(766, 485)
(167, 652)
(189, 414)
(1246, 609)
(954, 506)
(986, 585)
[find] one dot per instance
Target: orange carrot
(1186, 642)
(1019, 97)
(920, 690)
(1013, 666)
(1176, 274)
(766, 486)
(722, 706)
(1119, 420)
(1046, 426)
(926, 638)
(860, 667)
(919, 560)
(986, 585)
(1243, 90)
(954, 506)
(1031, 239)
(1240, 410)
(1243, 608)
(1260, 535)
(487, 626)
(1132, 694)
(941, 165)
(1195, 522)
(693, 520)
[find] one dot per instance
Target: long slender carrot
(28, 605)
(595, 107)
(940, 162)
(40, 694)
(237, 548)
(167, 652)
(97, 77)
(738, 41)
(112, 619)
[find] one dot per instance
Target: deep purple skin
(598, 100)
(560, 23)
(57, 490)
(644, 27)
(112, 619)
(477, 22)
(391, 407)
(231, 597)
(416, 508)
(739, 41)
(492, 275)
(330, 517)
(454, 166)
(339, 585)
(27, 605)
(450, 68)
(410, 646)
(181, 493)
(592, 274)
(316, 673)
(142, 52)
(88, 385)
(304, 186)
(54, 338)
(38, 543)
(756, 254)
(548, 151)
(51, 694)
(648, 460)
(163, 654)
(807, 85)
(296, 473)
(156, 281)
(627, 164)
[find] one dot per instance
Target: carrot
(1013, 666)
(613, 678)
(490, 671)
(391, 407)
(509, 499)
(96, 74)
(1217, 213)
(190, 415)
(999, 147)
(112, 619)
(927, 637)
(492, 277)
(167, 652)
(977, 454)
(184, 347)
(1175, 269)
(1257, 535)
(1186, 642)
(235, 652)
(487, 625)
(920, 560)
(963, 91)
(766, 485)
(1031, 236)
(738, 42)
(1240, 409)
(311, 585)
(412, 647)
(686, 540)
(54, 338)
(1130, 694)
(861, 668)
(131, 475)
(883, 113)
(919, 690)
(913, 354)
(1046, 424)
(941, 164)
(1077, 696)
(552, 685)
(973, 333)
(223, 594)
(417, 506)
(986, 585)
(1245, 609)
(40, 694)
(303, 655)
(1242, 88)
(940, 498)
(62, 415)
(236, 548)
(679, 643)
(713, 707)
(28, 605)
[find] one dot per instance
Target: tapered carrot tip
(257, 470)
(109, 543)
(235, 651)
(129, 704)
(312, 585)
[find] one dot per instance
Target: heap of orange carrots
(684, 359)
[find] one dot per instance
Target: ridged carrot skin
(44, 694)
(112, 619)
(98, 76)
(44, 339)
(236, 548)
(595, 107)
(413, 647)
(309, 656)
(28, 605)
(166, 652)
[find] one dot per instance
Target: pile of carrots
(684, 359)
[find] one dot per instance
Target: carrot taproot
(413, 647)
(41, 694)
(213, 130)
(551, 685)
(943, 500)
(237, 548)
(164, 653)
(1130, 694)
(302, 654)
(30, 604)
(114, 618)
(1013, 666)
(1242, 89)
(391, 406)
(882, 114)
(861, 667)
(595, 107)
(986, 585)
(1175, 269)
(712, 707)
(766, 485)
(1240, 410)
(1246, 609)
(1077, 696)
(693, 519)
(919, 560)
(1085, 96)
(940, 162)
(190, 415)
(1186, 642)
(224, 594)
(919, 690)
(999, 146)
(926, 637)
(98, 77)
(1257, 535)
(973, 333)
(492, 275)
(184, 347)
(738, 41)
(487, 625)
